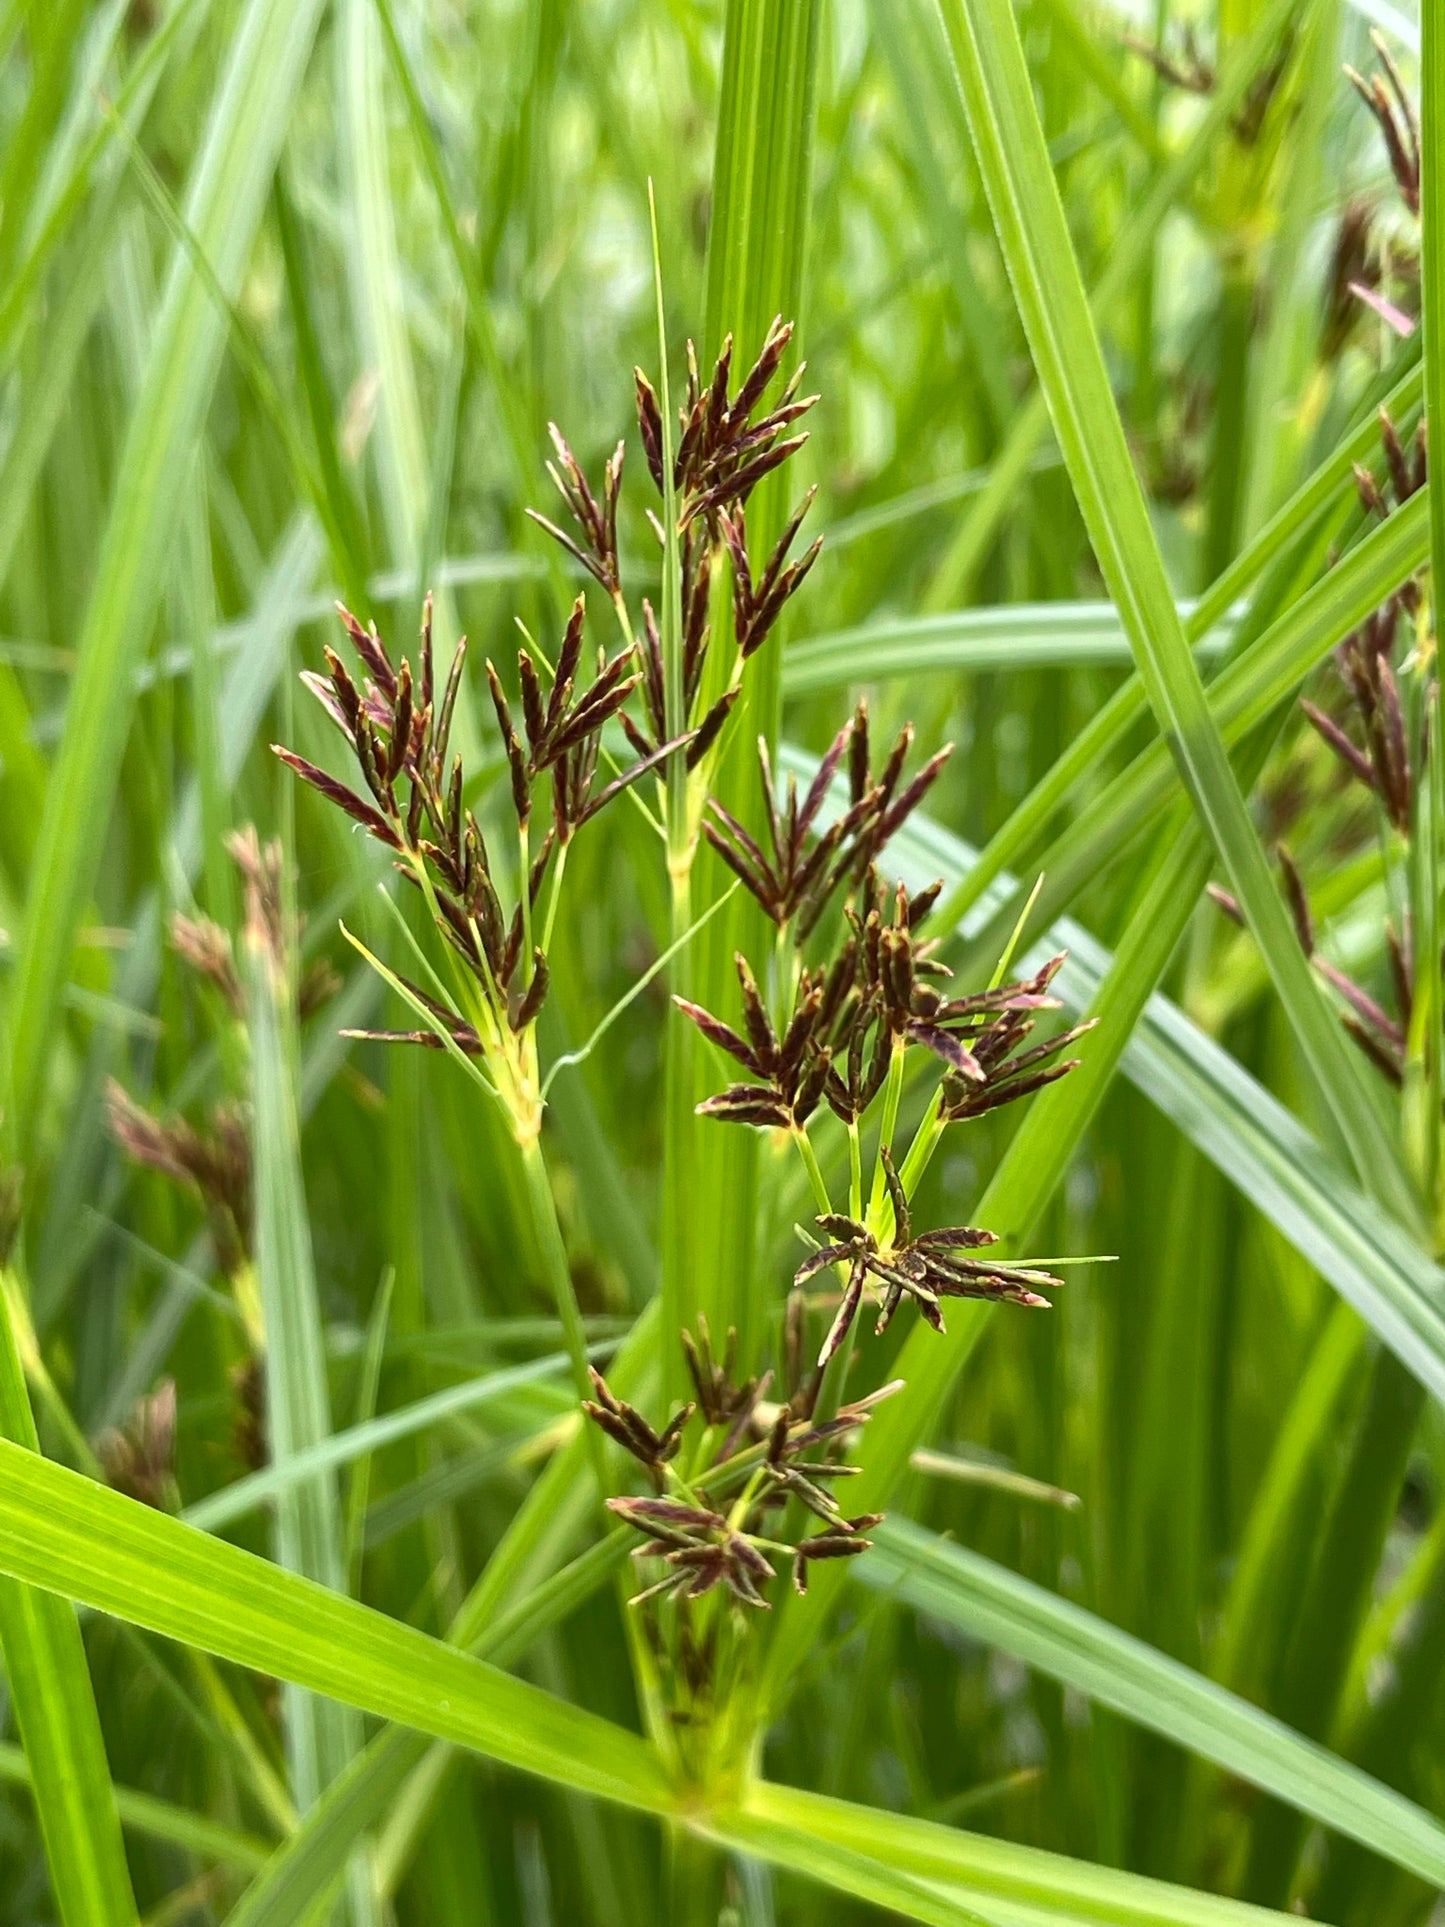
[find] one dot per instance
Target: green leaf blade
(1076, 1647)
(1029, 218)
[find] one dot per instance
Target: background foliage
(288, 296)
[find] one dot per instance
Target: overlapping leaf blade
(988, 1602)
(1034, 236)
(229, 183)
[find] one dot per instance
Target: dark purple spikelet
(411, 798)
(926, 1268)
(1394, 112)
(791, 1069)
(596, 521)
(720, 1527)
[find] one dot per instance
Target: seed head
(1395, 116)
(139, 1456)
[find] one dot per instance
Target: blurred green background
(288, 296)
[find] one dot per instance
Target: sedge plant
(850, 986)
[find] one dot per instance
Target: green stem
(925, 1142)
(785, 962)
(624, 620)
(481, 1010)
(554, 1254)
(558, 872)
(679, 1154)
(892, 1097)
(835, 1373)
(679, 1143)
(695, 1879)
(738, 1511)
(813, 1168)
(855, 1171)
(524, 854)
(673, 694)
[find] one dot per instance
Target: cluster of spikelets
(718, 1524)
(397, 720)
(210, 1157)
(852, 984)
(1381, 748)
(853, 981)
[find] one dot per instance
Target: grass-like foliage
(722, 1076)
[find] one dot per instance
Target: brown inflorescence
(1398, 122)
(399, 727)
(719, 1527)
(1383, 763)
(926, 1269)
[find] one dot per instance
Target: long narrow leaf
(66, 1534)
(521, 1583)
(1042, 635)
(229, 184)
(344, 1448)
(988, 1602)
(322, 1737)
(1173, 183)
(997, 1879)
(1309, 506)
(1033, 233)
(61, 1531)
(50, 1686)
(1263, 676)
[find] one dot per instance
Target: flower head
(791, 1069)
(1397, 120)
(926, 1269)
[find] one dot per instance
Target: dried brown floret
(597, 522)
(792, 1069)
(139, 1456)
(925, 1269)
(1009, 1071)
(890, 807)
(723, 450)
(1394, 112)
(625, 1424)
(723, 1528)
(215, 1163)
(400, 735)
(792, 879)
(724, 1403)
(757, 605)
(839, 1544)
